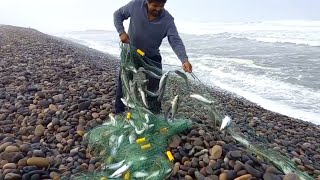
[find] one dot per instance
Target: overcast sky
(65, 15)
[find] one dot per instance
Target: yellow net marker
(147, 146)
(141, 140)
(140, 52)
(127, 176)
(170, 157)
(103, 178)
(128, 115)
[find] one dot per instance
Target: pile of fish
(139, 86)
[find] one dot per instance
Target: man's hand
(124, 37)
(187, 67)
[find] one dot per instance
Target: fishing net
(134, 145)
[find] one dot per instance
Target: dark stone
(252, 171)
(269, 176)
(84, 105)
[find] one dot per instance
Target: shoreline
(56, 90)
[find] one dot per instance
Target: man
(149, 24)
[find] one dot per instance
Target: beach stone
(223, 176)
(12, 176)
(38, 161)
(252, 171)
(199, 176)
(269, 176)
(244, 177)
(198, 142)
(12, 149)
(44, 103)
(216, 152)
(84, 105)
(188, 177)
(175, 141)
(9, 166)
(39, 130)
(235, 154)
(291, 176)
(273, 170)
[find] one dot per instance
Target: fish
(121, 170)
(184, 76)
(201, 98)
(126, 126)
(163, 80)
(132, 138)
(132, 123)
(139, 132)
(145, 125)
(112, 140)
(154, 174)
(132, 86)
(160, 97)
(128, 104)
(146, 116)
(226, 122)
(115, 165)
(150, 73)
(174, 106)
(139, 174)
(151, 94)
(143, 96)
(131, 68)
(120, 139)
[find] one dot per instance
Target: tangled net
(134, 145)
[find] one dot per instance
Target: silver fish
(115, 165)
(151, 74)
(139, 132)
(143, 96)
(146, 116)
(163, 80)
(139, 174)
(226, 122)
(131, 68)
(120, 139)
(154, 174)
(121, 170)
(132, 138)
(161, 94)
(174, 106)
(151, 94)
(183, 75)
(128, 104)
(201, 98)
(112, 140)
(145, 125)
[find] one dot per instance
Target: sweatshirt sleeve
(176, 43)
(122, 14)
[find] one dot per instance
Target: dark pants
(153, 85)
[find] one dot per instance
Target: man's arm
(122, 14)
(176, 43)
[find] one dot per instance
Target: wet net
(134, 145)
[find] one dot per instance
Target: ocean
(275, 64)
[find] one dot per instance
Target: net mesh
(134, 146)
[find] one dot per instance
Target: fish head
(226, 122)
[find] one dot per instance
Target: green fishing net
(134, 145)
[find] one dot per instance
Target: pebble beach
(53, 91)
